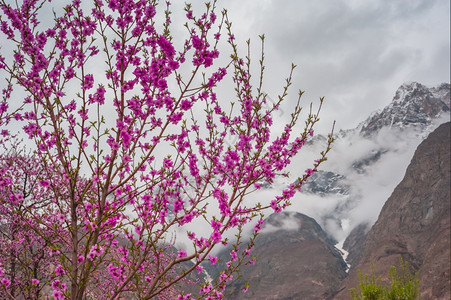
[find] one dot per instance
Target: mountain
(413, 105)
(326, 182)
(415, 222)
(295, 260)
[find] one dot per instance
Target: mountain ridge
(413, 104)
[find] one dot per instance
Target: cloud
(370, 187)
(288, 223)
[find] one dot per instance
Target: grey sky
(355, 53)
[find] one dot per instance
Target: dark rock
(326, 182)
(361, 165)
(354, 244)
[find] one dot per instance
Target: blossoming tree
(25, 252)
(131, 143)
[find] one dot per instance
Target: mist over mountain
(367, 162)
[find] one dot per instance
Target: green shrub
(403, 285)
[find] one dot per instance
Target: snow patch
(344, 254)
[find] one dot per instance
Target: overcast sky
(356, 53)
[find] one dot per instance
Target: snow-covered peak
(405, 89)
(442, 92)
(413, 105)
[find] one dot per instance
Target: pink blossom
(69, 74)
(199, 269)
(258, 226)
(181, 253)
(95, 252)
(215, 224)
(57, 295)
(99, 96)
(166, 46)
(216, 237)
(213, 259)
(80, 259)
(186, 104)
(175, 118)
(88, 82)
(5, 281)
(234, 255)
(59, 270)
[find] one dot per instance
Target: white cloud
(370, 189)
(288, 223)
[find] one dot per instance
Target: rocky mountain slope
(295, 260)
(413, 105)
(415, 222)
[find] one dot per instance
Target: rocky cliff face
(326, 182)
(415, 222)
(355, 243)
